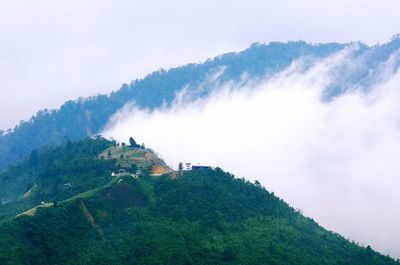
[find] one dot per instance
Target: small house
(67, 185)
(188, 166)
(201, 167)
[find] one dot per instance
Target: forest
(204, 216)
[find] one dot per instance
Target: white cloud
(336, 160)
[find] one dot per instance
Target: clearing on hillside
(32, 212)
(142, 158)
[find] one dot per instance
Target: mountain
(95, 202)
(77, 119)
(60, 172)
(87, 117)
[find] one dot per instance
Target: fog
(335, 160)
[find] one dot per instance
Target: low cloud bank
(336, 160)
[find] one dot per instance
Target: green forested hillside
(54, 173)
(195, 217)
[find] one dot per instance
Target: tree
(180, 166)
(132, 142)
(134, 168)
(34, 158)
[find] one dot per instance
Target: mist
(336, 160)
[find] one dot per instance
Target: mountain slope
(195, 217)
(85, 117)
(61, 172)
(54, 173)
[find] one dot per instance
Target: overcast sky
(51, 51)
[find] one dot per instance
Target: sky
(53, 51)
(336, 161)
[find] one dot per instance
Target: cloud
(336, 160)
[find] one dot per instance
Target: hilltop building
(201, 167)
(188, 166)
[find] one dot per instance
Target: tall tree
(132, 142)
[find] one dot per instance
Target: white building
(188, 166)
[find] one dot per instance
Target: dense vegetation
(199, 217)
(54, 173)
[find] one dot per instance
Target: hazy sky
(51, 51)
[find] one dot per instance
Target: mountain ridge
(204, 216)
(77, 119)
(86, 117)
